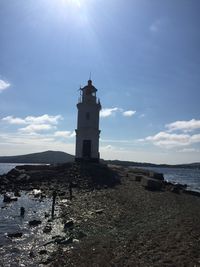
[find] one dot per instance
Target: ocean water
(191, 177)
(6, 167)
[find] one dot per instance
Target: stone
(22, 211)
(7, 198)
(100, 211)
(151, 184)
(156, 175)
(15, 235)
(47, 229)
(34, 222)
(175, 189)
(17, 193)
(43, 251)
(138, 178)
(22, 177)
(68, 224)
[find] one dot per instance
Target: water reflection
(19, 251)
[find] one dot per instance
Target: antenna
(90, 76)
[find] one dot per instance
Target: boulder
(43, 251)
(68, 224)
(138, 178)
(156, 175)
(7, 198)
(151, 184)
(47, 229)
(23, 177)
(34, 222)
(15, 235)
(100, 211)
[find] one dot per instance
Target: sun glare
(76, 3)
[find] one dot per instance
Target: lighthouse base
(80, 160)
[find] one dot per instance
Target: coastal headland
(117, 216)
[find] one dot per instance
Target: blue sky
(145, 62)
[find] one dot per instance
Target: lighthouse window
(88, 115)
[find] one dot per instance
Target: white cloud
(65, 134)
(129, 113)
(4, 85)
(12, 120)
(108, 147)
(169, 139)
(34, 124)
(186, 126)
(33, 120)
(32, 128)
(106, 112)
(188, 150)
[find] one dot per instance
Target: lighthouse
(87, 132)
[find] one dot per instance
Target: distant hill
(144, 164)
(42, 157)
(62, 157)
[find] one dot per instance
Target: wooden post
(53, 204)
(70, 190)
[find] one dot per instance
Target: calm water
(191, 177)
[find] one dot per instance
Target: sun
(76, 3)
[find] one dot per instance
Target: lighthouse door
(87, 149)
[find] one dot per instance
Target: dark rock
(100, 211)
(17, 193)
(7, 198)
(138, 178)
(14, 172)
(46, 215)
(16, 235)
(151, 184)
(68, 224)
(22, 177)
(156, 175)
(175, 189)
(43, 251)
(22, 211)
(34, 222)
(80, 235)
(47, 229)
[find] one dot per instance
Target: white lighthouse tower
(87, 132)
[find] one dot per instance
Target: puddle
(23, 251)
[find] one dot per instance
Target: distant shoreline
(53, 157)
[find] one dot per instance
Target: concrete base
(94, 160)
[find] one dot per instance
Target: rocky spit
(111, 216)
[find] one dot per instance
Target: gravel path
(130, 226)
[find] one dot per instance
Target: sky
(144, 59)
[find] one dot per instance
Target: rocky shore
(116, 216)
